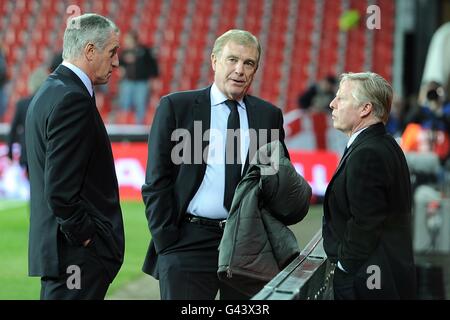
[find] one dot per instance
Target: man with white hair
(76, 241)
(367, 205)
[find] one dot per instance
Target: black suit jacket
(169, 187)
(367, 215)
(74, 190)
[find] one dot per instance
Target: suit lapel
(374, 130)
(66, 72)
(253, 123)
(371, 131)
(345, 157)
(201, 115)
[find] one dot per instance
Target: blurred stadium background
(303, 42)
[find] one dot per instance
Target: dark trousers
(343, 285)
(82, 276)
(188, 269)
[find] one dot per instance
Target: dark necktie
(232, 155)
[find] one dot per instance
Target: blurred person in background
(76, 239)
(428, 128)
(3, 80)
(318, 96)
(55, 61)
(138, 68)
(437, 63)
(17, 130)
(367, 206)
(396, 121)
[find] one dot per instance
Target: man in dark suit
(76, 240)
(189, 186)
(367, 205)
(139, 68)
(17, 131)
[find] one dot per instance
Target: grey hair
(241, 37)
(84, 29)
(372, 88)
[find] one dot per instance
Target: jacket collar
(202, 108)
(372, 131)
(202, 114)
(80, 74)
(253, 123)
(66, 72)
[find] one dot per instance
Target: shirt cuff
(339, 265)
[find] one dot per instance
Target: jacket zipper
(229, 271)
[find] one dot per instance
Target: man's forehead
(232, 48)
(347, 84)
(113, 38)
(234, 44)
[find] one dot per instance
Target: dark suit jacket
(17, 131)
(169, 187)
(367, 215)
(74, 190)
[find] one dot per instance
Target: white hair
(373, 88)
(84, 29)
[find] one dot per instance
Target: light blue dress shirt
(80, 73)
(208, 201)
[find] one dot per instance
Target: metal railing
(307, 277)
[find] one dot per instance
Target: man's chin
(101, 81)
(238, 94)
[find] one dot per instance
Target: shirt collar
(82, 75)
(354, 135)
(217, 98)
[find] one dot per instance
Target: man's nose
(115, 62)
(332, 104)
(239, 69)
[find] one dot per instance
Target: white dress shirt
(353, 136)
(208, 201)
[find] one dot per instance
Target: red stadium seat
(46, 36)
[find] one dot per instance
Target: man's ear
(89, 50)
(366, 109)
(213, 61)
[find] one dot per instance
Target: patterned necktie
(232, 155)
